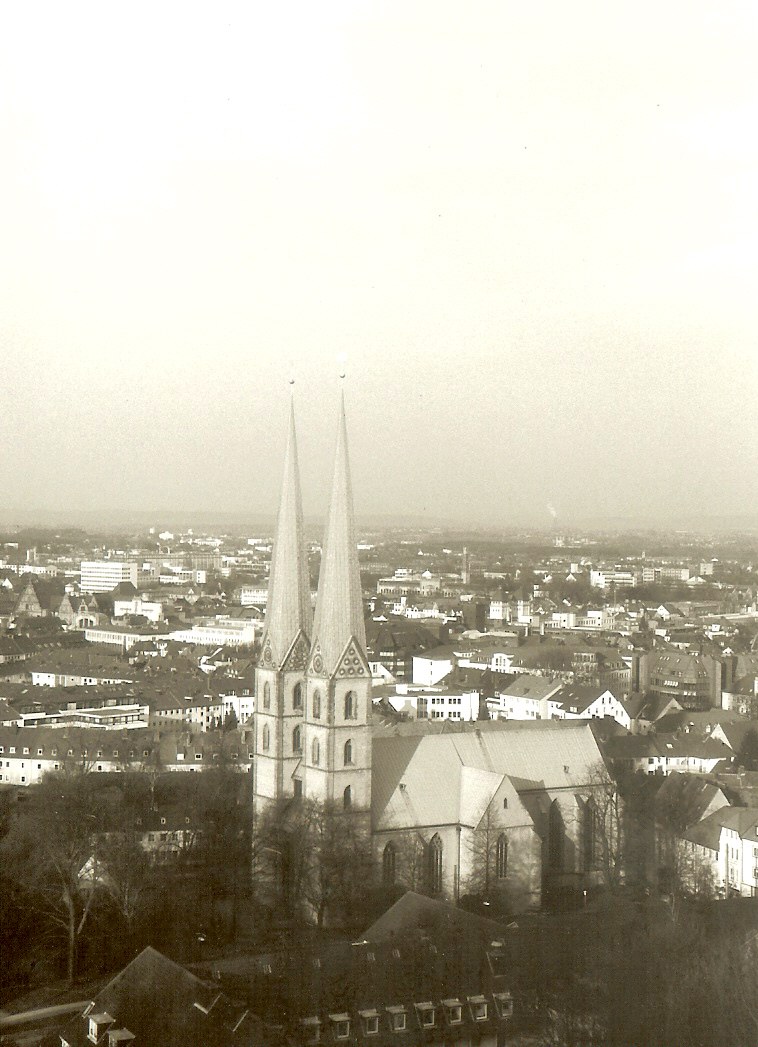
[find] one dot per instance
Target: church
(503, 806)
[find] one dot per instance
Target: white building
(422, 703)
(146, 608)
(229, 632)
(102, 576)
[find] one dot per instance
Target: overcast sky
(532, 227)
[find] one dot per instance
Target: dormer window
(398, 1018)
(504, 1004)
(453, 1011)
(425, 1014)
(340, 1026)
(370, 1022)
(98, 1023)
(478, 1005)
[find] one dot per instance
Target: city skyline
(531, 231)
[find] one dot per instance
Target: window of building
(351, 705)
(555, 837)
(315, 752)
(297, 788)
(297, 696)
(316, 705)
(348, 752)
(434, 861)
(265, 738)
(39, 752)
(347, 797)
(370, 1024)
(297, 740)
(267, 696)
(589, 834)
(501, 857)
(398, 1021)
(389, 863)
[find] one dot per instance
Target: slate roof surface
(417, 911)
(156, 1000)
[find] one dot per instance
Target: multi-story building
(102, 576)
(693, 679)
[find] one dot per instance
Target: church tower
(279, 675)
(337, 744)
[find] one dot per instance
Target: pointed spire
(339, 605)
(288, 611)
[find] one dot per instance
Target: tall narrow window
(555, 838)
(389, 862)
(589, 826)
(265, 738)
(267, 696)
(351, 705)
(297, 696)
(315, 752)
(348, 754)
(501, 857)
(347, 797)
(297, 741)
(316, 705)
(434, 859)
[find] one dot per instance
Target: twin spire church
(313, 682)
(528, 786)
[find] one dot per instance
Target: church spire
(339, 605)
(288, 611)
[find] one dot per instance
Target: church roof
(339, 604)
(288, 611)
(448, 778)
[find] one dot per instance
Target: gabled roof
(430, 780)
(164, 1005)
(418, 912)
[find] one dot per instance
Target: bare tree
(49, 847)
(604, 837)
(314, 859)
(487, 852)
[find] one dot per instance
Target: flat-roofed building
(102, 576)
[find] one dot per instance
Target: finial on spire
(292, 378)
(341, 360)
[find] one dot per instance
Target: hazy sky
(532, 227)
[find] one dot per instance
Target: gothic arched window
(297, 696)
(351, 705)
(267, 696)
(434, 859)
(347, 797)
(501, 857)
(316, 705)
(348, 752)
(555, 838)
(297, 740)
(389, 861)
(265, 738)
(589, 834)
(315, 752)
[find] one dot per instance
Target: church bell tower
(337, 742)
(280, 673)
